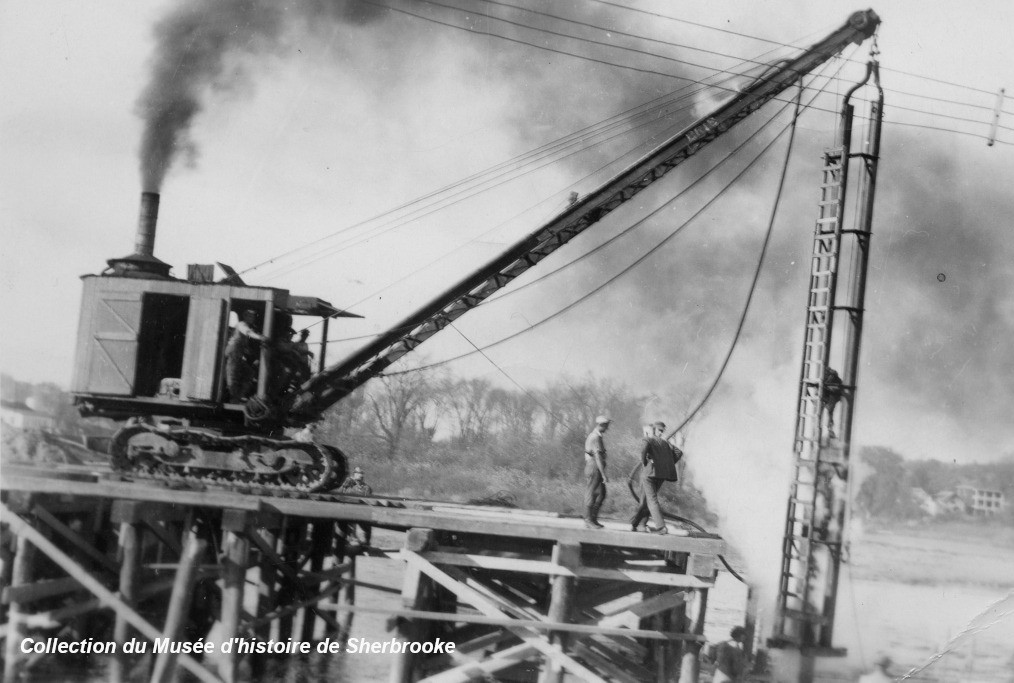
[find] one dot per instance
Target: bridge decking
(518, 591)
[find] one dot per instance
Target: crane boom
(337, 381)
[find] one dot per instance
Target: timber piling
(486, 592)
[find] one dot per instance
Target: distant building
(20, 416)
(981, 502)
(949, 502)
(926, 502)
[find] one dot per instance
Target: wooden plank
(108, 598)
(602, 663)
(179, 603)
(133, 511)
(162, 534)
(566, 530)
(293, 577)
(30, 592)
(492, 608)
(483, 670)
(235, 551)
(651, 606)
(55, 617)
(703, 566)
(548, 568)
(24, 564)
(506, 621)
(43, 515)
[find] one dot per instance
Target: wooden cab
(156, 346)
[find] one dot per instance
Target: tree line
(435, 434)
(887, 492)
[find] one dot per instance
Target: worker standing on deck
(658, 465)
(595, 472)
(240, 356)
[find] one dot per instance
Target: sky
(299, 124)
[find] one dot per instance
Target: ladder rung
(804, 616)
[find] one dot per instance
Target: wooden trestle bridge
(524, 596)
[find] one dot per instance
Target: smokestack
(144, 243)
(142, 263)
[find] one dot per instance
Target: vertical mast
(816, 515)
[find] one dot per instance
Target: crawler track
(199, 457)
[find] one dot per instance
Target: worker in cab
(242, 354)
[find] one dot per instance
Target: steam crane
(151, 348)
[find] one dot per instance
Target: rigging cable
(656, 106)
(775, 42)
(641, 221)
(742, 317)
(688, 188)
(625, 270)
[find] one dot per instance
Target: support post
(690, 670)
(235, 547)
(266, 598)
(320, 544)
(21, 574)
(179, 602)
(130, 567)
(288, 551)
(413, 596)
(347, 595)
(560, 604)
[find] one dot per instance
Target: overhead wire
(712, 169)
(622, 272)
(360, 240)
(698, 49)
(756, 274)
(396, 223)
(776, 42)
(652, 106)
(693, 184)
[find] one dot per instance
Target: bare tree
(469, 406)
(396, 403)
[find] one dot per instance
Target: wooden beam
(179, 603)
(53, 618)
(561, 604)
(548, 568)
(505, 621)
(254, 626)
(130, 560)
(24, 562)
(162, 533)
(483, 670)
(492, 608)
(46, 517)
(36, 590)
(416, 592)
(568, 530)
(235, 549)
(616, 671)
(23, 528)
(647, 608)
(134, 511)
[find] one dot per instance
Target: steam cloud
(200, 47)
(931, 346)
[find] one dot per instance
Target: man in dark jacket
(658, 465)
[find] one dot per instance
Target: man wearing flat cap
(595, 472)
(658, 465)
